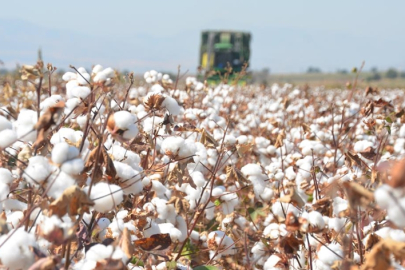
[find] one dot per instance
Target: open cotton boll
(73, 166)
(4, 190)
(16, 253)
(96, 69)
(38, 170)
(130, 179)
(50, 101)
(105, 196)
(80, 91)
(99, 252)
(124, 119)
(220, 242)
(271, 262)
(83, 78)
(327, 257)
(60, 152)
(59, 184)
(5, 176)
(68, 76)
(281, 209)
(171, 145)
(171, 105)
(316, 220)
(8, 137)
(25, 125)
(4, 123)
(251, 169)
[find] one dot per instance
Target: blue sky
(288, 36)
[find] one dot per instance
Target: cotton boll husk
(38, 170)
(105, 196)
(171, 105)
(16, 253)
(73, 167)
(4, 123)
(60, 184)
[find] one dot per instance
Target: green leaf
(217, 202)
(310, 198)
(171, 265)
(206, 267)
(388, 129)
(255, 213)
(136, 261)
(388, 119)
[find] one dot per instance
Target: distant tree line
(391, 73)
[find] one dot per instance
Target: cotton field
(100, 170)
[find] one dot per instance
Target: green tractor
(224, 56)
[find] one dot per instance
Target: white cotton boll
(396, 213)
(5, 176)
(80, 91)
(159, 188)
(131, 132)
(105, 196)
(68, 76)
(290, 174)
(8, 137)
(242, 139)
(16, 253)
(387, 232)
(60, 152)
(4, 123)
(218, 191)
(339, 205)
(315, 219)
(81, 70)
(326, 256)
(124, 119)
(385, 196)
(251, 169)
(267, 194)
(198, 178)
(15, 218)
(171, 105)
(281, 209)
(362, 145)
(83, 79)
(271, 262)
(97, 69)
(336, 224)
(129, 178)
(224, 243)
(171, 145)
(4, 190)
(60, 184)
(73, 167)
(12, 204)
(38, 170)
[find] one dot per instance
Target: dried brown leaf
(73, 201)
